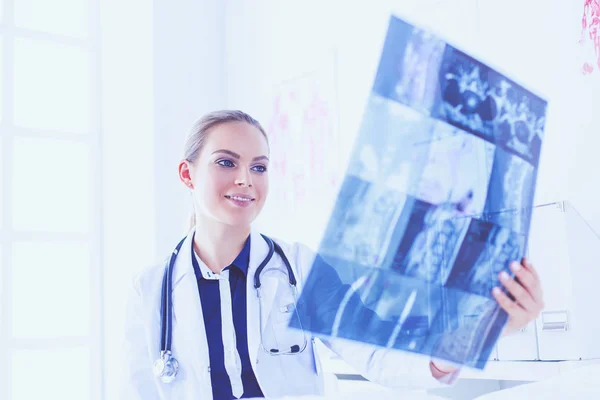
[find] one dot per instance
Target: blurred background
(97, 96)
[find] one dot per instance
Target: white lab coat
(277, 376)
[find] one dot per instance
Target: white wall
(540, 48)
(162, 68)
(533, 41)
(189, 81)
(128, 181)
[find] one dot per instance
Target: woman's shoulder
(149, 276)
(294, 249)
(299, 254)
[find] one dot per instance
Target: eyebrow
(237, 156)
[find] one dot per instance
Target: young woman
(218, 329)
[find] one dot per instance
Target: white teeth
(239, 198)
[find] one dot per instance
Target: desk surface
(525, 370)
(577, 383)
(498, 370)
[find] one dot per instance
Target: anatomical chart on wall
(590, 36)
(435, 202)
(305, 167)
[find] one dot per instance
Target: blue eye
(259, 168)
(226, 163)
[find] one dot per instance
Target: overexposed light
(62, 17)
(51, 185)
(50, 290)
(51, 86)
(51, 374)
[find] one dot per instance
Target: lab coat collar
(183, 264)
(188, 310)
(188, 319)
(241, 261)
(258, 252)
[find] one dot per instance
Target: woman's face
(230, 179)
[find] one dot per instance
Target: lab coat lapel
(258, 252)
(188, 320)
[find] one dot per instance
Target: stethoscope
(166, 366)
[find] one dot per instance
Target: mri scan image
(435, 203)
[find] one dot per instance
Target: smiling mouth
(240, 198)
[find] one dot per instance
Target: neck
(218, 244)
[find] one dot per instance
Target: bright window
(50, 275)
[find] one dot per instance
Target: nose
(242, 183)
(244, 180)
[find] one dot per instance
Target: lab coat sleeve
(389, 367)
(138, 381)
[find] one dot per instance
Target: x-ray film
(435, 203)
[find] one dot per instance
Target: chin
(235, 216)
(238, 220)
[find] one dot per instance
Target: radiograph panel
(435, 203)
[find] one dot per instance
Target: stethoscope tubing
(167, 288)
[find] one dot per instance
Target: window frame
(8, 132)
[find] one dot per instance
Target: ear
(186, 173)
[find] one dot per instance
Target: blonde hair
(200, 130)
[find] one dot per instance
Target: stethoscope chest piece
(166, 367)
